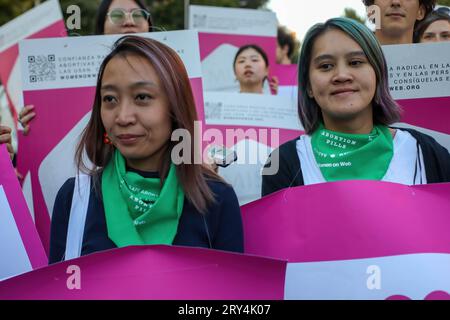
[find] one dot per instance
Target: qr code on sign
(213, 110)
(42, 68)
(200, 21)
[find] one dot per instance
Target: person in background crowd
(138, 195)
(398, 19)
(123, 17)
(113, 17)
(285, 46)
(251, 67)
(346, 108)
(434, 28)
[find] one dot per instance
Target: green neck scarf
(343, 156)
(138, 211)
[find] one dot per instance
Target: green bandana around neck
(344, 156)
(138, 211)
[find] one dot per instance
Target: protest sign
(356, 239)
(20, 247)
(419, 80)
(250, 124)
(43, 21)
(59, 77)
(153, 272)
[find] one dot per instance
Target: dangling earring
(106, 139)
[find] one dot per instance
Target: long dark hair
(103, 11)
(175, 81)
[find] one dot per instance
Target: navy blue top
(220, 228)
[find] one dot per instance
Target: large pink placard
(154, 272)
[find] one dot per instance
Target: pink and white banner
(222, 31)
(153, 272)
(59, 78)
(43, 21)
(419, 80)
(20, 247)
(356, 239)
(250, 124)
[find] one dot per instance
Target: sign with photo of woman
(238, 53)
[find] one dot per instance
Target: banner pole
(186, 14)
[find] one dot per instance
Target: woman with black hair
(251, 68)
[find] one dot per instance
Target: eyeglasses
(118, 16)
(445, 10)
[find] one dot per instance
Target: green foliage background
(166, 14)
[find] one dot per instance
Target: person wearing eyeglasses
(434, 28)
(443, 10)
(113, 17)
(123, 16)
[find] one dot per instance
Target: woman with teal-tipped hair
(346, 110)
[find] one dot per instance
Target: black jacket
(436, 159)
(221, 228)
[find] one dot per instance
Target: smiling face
(129, 25)
(342, 81)
(397, 19)
(135, 111)
(251, 70)
(437, 31)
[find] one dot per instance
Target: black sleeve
(436, 158)
(437, 162)
(60, 221)
(282, 169)
(229, 235)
